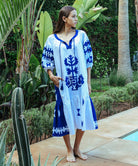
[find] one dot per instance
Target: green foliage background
(102, 32)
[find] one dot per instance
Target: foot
(80, 155)
(71, 157)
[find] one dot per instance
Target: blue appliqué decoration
(48, 53)
(72, 80)
(89, 60)
(82, 101)
(87, 47)
(48, 64)
(78, 112)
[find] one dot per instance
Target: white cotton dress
(74, 108)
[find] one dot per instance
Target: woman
(69, 51)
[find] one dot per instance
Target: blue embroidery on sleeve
(87, 47)
(72, 80)
(48, 53)
(90, 60)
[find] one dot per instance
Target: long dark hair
(65, 11)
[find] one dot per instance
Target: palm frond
(10, 12)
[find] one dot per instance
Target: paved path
(103, 146)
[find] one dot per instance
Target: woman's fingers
(56, 79)
(59, 78)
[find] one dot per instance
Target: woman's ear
(64, 18)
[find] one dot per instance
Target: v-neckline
(68, 46)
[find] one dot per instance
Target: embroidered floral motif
(72, 80)
(87, 47)
(60, 130)
(90, 60)
(48, 53)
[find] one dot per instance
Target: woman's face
(72, 19)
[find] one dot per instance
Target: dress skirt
(60, 127)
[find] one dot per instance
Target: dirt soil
(116, 108)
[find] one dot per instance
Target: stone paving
(104, 146)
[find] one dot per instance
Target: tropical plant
(124, 64)
(13, 10)
(6, 87)
(45, 28)
(37, 87)
(88, 11)
(25, 45)
(2, 149)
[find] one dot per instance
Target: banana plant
(88, 11)
(45, 28)
(25, 45)
(12, 9)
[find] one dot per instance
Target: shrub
(121, 80)
(118, 94)
(113, 96)
(132, 89)
(135, 76)
(113, 78)
(101, 103)
(39, 123)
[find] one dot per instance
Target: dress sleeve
(87, 51)
(48, 56)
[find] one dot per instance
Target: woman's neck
(67, 30)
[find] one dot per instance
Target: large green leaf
(84, 5)
(45, 28)
(87, 16)
(10, 12)
(78, 5)
(34, 62)
(87, 10)
(89, 4)
(7, 89)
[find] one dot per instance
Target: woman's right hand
(55, 80)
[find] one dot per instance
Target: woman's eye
(74, 16)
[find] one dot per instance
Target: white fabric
(71, 63)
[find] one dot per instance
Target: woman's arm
(54, 78)
(89, 79)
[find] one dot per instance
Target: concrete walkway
(103, 146)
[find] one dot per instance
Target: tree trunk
(124, 64)
(136, 8)
(23, 61)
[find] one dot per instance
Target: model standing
(69, 51)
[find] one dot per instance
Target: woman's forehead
(73, 12)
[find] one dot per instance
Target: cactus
(19, 125)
